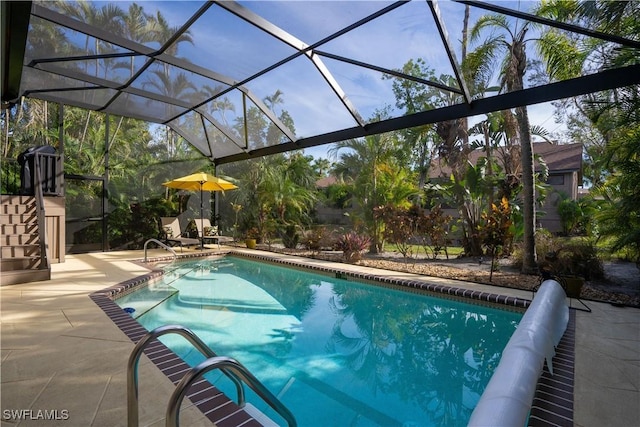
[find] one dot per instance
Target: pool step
(190, 382)
(259, 416)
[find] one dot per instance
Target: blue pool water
(336, 352)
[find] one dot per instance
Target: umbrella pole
(201, 220)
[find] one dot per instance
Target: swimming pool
(336, 352)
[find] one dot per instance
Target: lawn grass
(418, 250)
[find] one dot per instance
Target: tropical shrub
(570, 214)
(433, 231)
(317, 238)
(579, 257)
(352, 244)
(338, 195)
(575, 257)
(496, 231)
(399, 227)
(290, 236)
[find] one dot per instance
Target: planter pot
(574, 285)
(251, 243)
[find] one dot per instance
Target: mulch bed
(471, 270)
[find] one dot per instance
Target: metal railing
(172, 418)
(235, 371)
(132, 366)
(42, 220)
(51, 175)
(159, 243)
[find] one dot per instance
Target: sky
(539, 115)
(225, 44)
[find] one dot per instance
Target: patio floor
(60, 353)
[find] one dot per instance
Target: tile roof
(558, 157)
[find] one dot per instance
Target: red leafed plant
(352, 245)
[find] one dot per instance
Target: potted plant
(352, 245)
(573, 285)
(251, 238)
(569, 270)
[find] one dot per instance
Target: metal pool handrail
(167, 247)
(223, 363)
(132, 366)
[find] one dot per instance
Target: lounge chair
(208, 232)
(173, 235)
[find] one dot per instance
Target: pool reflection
(368, 355)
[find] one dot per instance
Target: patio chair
(208, 232)
(173, 235)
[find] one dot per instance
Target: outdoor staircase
(21, 257)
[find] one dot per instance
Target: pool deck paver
(59, 351)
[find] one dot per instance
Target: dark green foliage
(129, 226)
(290, 237)
(338, 195)
(575, 256)
(580, 258)
(570, 215)
(319, 238)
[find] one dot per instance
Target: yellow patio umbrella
(204, 182)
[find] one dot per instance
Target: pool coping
(215, 405)
(553, 400)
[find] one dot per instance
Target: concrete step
(18, 239)
(17, 200)
(19, 263)
(11, 209)
(16, 229)
(23, 276)
(22, 251)
(18, 218)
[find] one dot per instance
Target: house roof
(212, 74)
(326, 181)
(559, 158)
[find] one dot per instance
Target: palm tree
(321, 166)
(139, 27)
(613, 114)
(272, 100)
(180, 86)
(161, 31)
(274, 135)
(109, 18)
(370, 165)
(289, 201)
(218, 105)
(510, 43)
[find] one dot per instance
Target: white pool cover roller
(508, 397)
